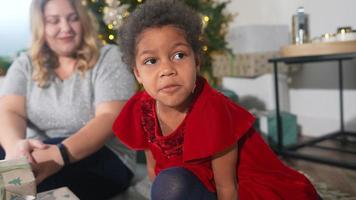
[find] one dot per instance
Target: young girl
(198, 143)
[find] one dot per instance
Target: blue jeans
(177, 183)
(97, 177)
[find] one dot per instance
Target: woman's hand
(24, 148)
(47, 162)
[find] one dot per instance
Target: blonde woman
(59, 100)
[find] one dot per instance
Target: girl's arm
(86, 141)
(150, 165)
(224, 169)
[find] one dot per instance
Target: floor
(140, 187)
(336, 178)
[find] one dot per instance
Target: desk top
(314, 58)
(321, 48)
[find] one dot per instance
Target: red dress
(213, 124)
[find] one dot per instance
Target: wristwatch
(64, 153)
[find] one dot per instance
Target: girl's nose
(167, 69)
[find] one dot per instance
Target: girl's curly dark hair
(158, 13)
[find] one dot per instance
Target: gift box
(245, 65)
(268, 127)
(62, 193)
(16, 180)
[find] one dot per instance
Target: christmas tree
(112, 13)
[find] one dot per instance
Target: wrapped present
(16, 180)
(245, 65)
(62, 193)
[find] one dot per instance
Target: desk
(342, 134)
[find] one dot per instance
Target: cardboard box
(258, 38)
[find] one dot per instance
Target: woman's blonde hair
(44, 59)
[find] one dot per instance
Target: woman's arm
(86, 141)
(94, 134)
(150, 165)
(224, 169)
(13, 128)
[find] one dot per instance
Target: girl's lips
(169, 88)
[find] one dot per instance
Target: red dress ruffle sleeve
(215, 123)
(128, 126)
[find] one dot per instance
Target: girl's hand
(150, 165)
(24, 148)
(47, 162)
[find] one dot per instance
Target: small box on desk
(268, 126)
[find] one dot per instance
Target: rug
(141, 191)
(327, 193)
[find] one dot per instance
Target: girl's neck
(170, 118)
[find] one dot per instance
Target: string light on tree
(111, 37)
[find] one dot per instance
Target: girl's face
(166, 65)
(63, 31)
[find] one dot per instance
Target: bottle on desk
(300, 27)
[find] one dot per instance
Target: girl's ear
(137, 75)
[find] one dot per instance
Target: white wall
(14, 26)
(325, 15)
(314, 89)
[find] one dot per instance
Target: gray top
(65, 106)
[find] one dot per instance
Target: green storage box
(268, 126)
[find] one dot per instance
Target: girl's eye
(150, 61)
(179, 55)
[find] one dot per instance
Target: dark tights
(177, 183)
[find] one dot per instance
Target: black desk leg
(342, 128)
(278, 117)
